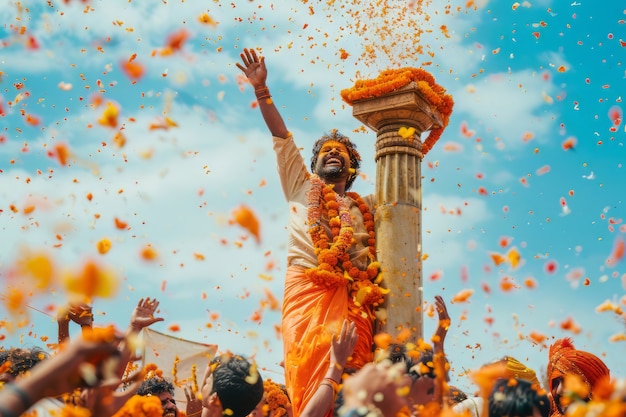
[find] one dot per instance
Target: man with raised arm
(332, 272)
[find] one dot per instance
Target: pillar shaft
(398, 228)
(398, 216)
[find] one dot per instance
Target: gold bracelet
(334, 385)
(334, 393)
(263, 97)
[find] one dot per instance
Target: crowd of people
(94, 375)
(332, 366)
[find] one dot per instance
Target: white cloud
(509, 105)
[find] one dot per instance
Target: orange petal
(246, 218)
(103, 246)
(462, 296)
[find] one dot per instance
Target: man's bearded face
(333, 161)
(168, 404)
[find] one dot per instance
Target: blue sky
(525, 77)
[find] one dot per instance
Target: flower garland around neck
(334, 265)
(394, 79)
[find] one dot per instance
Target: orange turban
(565, 359)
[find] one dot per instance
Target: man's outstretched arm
(255, 70)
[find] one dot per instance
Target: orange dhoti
(312, 314)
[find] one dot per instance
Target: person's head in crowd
(565, 360)
(17, 361)
(155, 385)
(519, 398)
(234, 386)
(513, 368)
(419, 363)
(455, 395)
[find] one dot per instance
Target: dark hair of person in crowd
(156, 385)
(517, 397)
(455, 395)
(21, 360)
(238, 384)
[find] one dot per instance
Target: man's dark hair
(517, 397)
(455, 395)
(155, 386)
(398, 354)
(423, 366)
(23, 360)
(355, 157)
(238, 384)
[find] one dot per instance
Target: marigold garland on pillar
(394, 79)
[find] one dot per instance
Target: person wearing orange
(565, 359)
(332, 270)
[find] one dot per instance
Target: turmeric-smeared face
(333, 161)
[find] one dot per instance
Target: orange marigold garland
(394, 79)
(143, 406)
(334, 265)
(276, 399)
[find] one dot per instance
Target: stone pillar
(399, 200)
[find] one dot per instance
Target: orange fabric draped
(311, 315)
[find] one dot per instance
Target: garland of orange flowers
(334, 265)
(276, 399)
(143, 406)
(394, 79)
(136, 406)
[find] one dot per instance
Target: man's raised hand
(253, 67)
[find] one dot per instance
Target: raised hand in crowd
(80, 314)
(439, 356)
(143, 315)
(341, 348)
(443, 325)
(194, 404)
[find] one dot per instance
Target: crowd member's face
(333, 161)
(557, 395)
(168, 404)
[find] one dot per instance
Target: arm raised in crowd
(340, 350)
(78, 313)
(80, 364)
